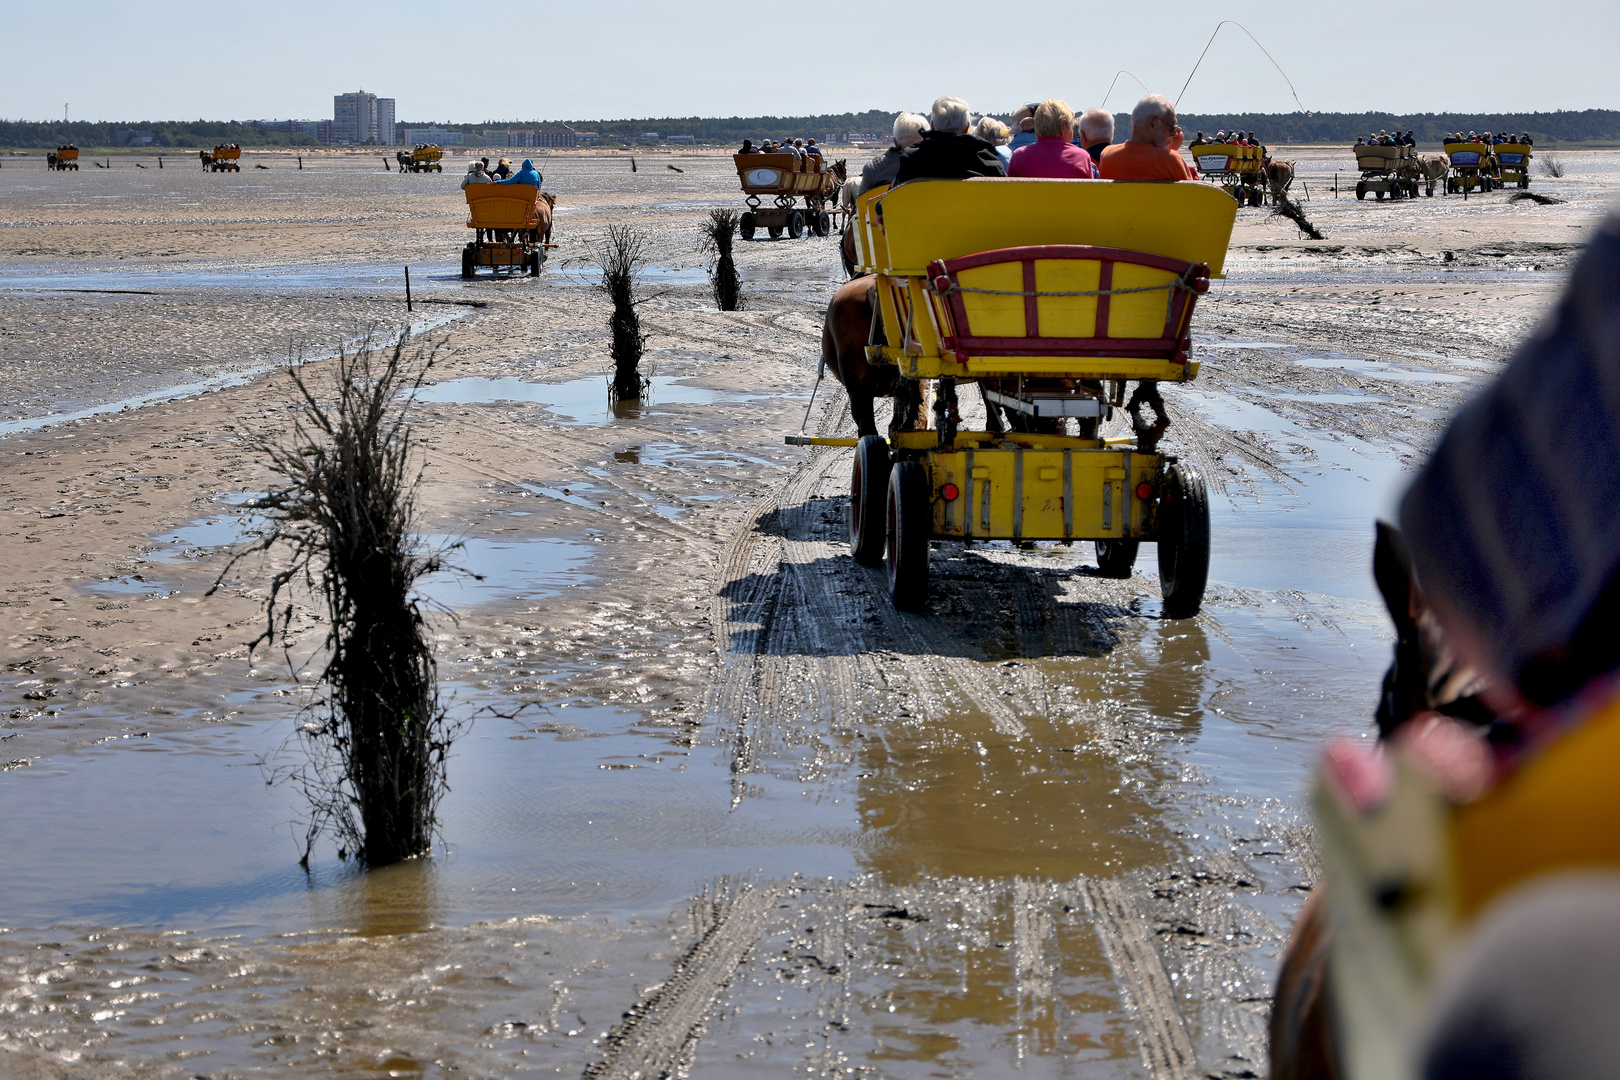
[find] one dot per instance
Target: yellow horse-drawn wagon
(222, 159)
(513, 228)
(1053, 296)
(1239, 170)
(1387, 170)
(424, 157)
(787, 178)
(1473, 167)
(1513, 164)
(65, 158)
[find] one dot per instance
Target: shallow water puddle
(580, 401)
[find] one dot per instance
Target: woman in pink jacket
(1053, 155)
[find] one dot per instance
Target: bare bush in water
(1552, 165)
(377, 740)
(718, 233)
(624, 253)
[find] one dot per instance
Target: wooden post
(407, 288)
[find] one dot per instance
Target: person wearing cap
(526, 175)
(1023, 126)
(811, 148)
(475, 175)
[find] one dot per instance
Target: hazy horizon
(635, 59)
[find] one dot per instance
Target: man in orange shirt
(1153, 150)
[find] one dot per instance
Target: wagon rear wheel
(469, 264)
(795, 225)
(868, 492)
(910, 525)
(1115, 558)
(775, 231)
(1183, 535)
(746, 225)
(823, 223)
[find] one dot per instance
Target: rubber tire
(795, 225)
(775, 231)
(868, 495)
(533, 263)
(1115, 558)
(1183, 536)
(909, 528)
(1361, 191)
(746, 225)
(823, 223)
(469, 262)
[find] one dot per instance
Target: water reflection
(401, 899)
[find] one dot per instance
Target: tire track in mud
(656, 1037)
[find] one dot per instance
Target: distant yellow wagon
(65, 158)
(1513, 164)
(424, 157)
(1387, 170)
(1239, 170)
(1053, 296)
(222, 159)
(1473, 167)
(786, 178)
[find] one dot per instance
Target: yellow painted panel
(945, 219)
(1068, 316)
(1138, 315)
(985, 507)
(989, 315)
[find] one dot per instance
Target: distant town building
(360, 117)
(650, 136)
(586, 136)
(683, 138)
(438, 136)
(127, 137)
(855, 137)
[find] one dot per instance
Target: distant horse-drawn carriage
(1473, 167)
(1387, 170)
(222, 159)
(424, 157)
(1239, 170)
(513, 228)
(786, 178)
(65, 158)
(1513, 164)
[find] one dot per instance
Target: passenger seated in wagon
(908, 129)
(1153, 150)
(1053, 155)
(947, 151)
(1096, 133)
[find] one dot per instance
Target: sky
(532, 59)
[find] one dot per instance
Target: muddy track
(655, 1038)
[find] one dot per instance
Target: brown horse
(1424, 675)
(851, 324)
(543, 206)
(1279, 177)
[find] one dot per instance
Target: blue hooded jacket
(525, 175)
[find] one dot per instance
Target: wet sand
(747, 817)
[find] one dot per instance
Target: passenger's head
(1153, 120)
(993, 131)
(908, 129)
(1054, 117)
(949, 116)
(798, 142)
(1096, 126)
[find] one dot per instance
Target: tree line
(1561, 127)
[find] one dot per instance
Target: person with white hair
(1153, 152)
(997, 134)
(908, 129)
(476, 175)
(1054, 156)
(1096, 132)
(948, 151)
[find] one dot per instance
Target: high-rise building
(363, 118)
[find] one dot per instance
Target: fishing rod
(1257, 44)
(1117, 74)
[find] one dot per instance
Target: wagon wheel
(1183, 536)
(1361, 190)
(1116, 557)
(795, 225)
(910, 525)
(823, 223)
(775, 231)
(868, 492)
(469, 263)
(746, 225)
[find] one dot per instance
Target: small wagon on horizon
(424, 157)
(65, 158)
(222, 159)
(1513, 164)
(786, 178)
